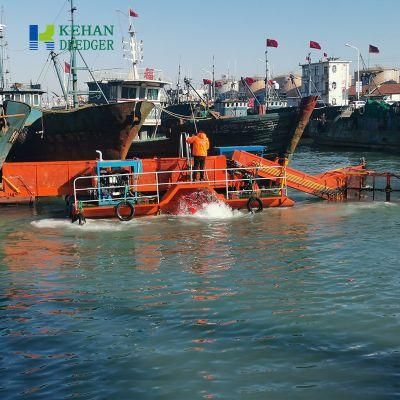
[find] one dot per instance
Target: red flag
(272, 43)
(132, 13)
(207, 82)
(67, 67)
(249, 80)
(218, 84)
(315, 45)
(373, 49)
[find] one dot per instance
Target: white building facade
(330, 79)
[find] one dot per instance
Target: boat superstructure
(136, 84)
(75, 133)
(28, 93)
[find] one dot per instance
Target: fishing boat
(76, 133)
(376, 125)
(276, 130)
(12, 118)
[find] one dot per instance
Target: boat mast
(266, 78)
(73, 60)
(213, 79)
(2, 52)
(136, 50)
(309, 74)
(178, 84)
(190, 86)
(53, 56)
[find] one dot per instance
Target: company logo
(85, 37)
(47, 37)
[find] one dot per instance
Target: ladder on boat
(330, 186)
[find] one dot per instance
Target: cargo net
(374, 186)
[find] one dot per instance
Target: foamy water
(210, 211)
(90, 226)
(217, 210)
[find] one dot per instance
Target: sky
(191, 32)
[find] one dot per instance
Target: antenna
(213, 78)
(136, 49)
(2, 50)
(178, 84)
(73, 59)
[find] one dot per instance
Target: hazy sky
(191, 32)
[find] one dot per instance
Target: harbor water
(297, 303)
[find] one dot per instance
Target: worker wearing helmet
(200, 146)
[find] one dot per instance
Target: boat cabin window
(142, 93)
(7, 97)
(152, 94)
(36, 100)
(17, 97)
(113, 92)
(128, 92)
(333, 85)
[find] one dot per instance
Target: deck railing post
(373, 188)
(388, 189)
(158, 192)
(226, 184)
(75, 192)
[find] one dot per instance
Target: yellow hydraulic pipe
(12, 186)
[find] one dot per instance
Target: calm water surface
(298, 303)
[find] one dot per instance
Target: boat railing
(121, 75)
(148, 187)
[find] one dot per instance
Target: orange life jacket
(200, 144)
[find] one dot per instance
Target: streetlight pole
(358, 69)
(266, 80)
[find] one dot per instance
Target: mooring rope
(179, 116)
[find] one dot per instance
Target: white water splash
(89, 226)
(217, 210)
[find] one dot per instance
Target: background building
(330, 79)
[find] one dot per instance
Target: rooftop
(381, 90)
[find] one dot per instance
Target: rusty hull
(70, 135)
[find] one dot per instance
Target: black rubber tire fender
(118, 211)
(254, 205)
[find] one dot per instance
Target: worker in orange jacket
(200, 146)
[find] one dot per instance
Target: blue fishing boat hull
(12, 121)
